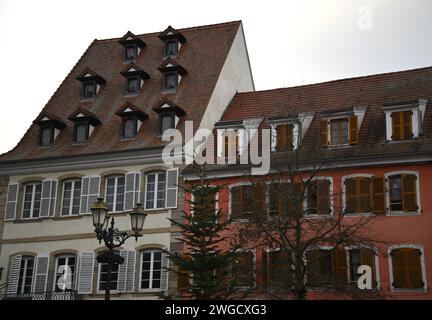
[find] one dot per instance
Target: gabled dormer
(135, 78)
(91, 83)
(169, 115)
(404, 120)
(173, 41)
(172, 74)
(132, 46)
(84, 124)
(132, 118)
(49, 128)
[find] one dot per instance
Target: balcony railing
(47, 295)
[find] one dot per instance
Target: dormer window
(84, 124)
(169, 115)
(132, 46)
(173, 40)
(132, 118)
(91, 83)
(288, 132)
(135, 78)
(404, 119)
(172, 74)
(49, 128)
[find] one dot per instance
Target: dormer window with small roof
(172, 74)
(91, 83)
(135, 77)
(84, 124)
(341, 127)
(49, 128)
(132, 118)
(404, 119)
(132, 46)
(173, 40)
(169, 115)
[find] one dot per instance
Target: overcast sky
(290, 42)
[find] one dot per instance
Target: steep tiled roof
(202, 55)
(373, 91)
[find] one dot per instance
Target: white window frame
(116, 177)
(423, 267)
(32, 200)
(75, 274)
(238, 184)
(350, 176)
(328, 248)
(152, 250)
(267, 252)
(267, 193)
(26, 258)
(297, 133)
(331, 195)
(216, 204)
(156, 190)
(99, 277)
(70, 205)
(333, 118)
(387, 182)
(376, 258)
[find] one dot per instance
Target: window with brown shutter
(357, 258)
(318, 197)
(403, 193)
(319, 268)
(231, 144)
(284, 137)
(204, 203)
(402, 125)
(339, 131)
(358, 195)
(324, 139)
(379, 195)
(279, 275)
(407, 268)
(339, 267)
(247, 200)
(243, 270)
(353, 130)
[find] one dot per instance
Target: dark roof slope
(203, 55)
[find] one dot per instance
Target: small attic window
(46, 136)
(172, 74)
(81, 132)
(171, 48)
(84, 124)
(173, 40)
(131, 52)
(132, 118)
(169, 115)
(89, 89)
(132, 46)
(49, 128)
(170, 80)
(135, 78)
(91, 83)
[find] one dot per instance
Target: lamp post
(113, 237)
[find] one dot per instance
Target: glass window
(129, 127)
(115, 188)
(103, 276)
(64, 278)
(171, 48)
(81, 132)
(26, 275)
(32, 200)
(71, 197)
(46, 136)
(171, 80)
(131, 52)
(167, 122)
(339, 131)
(151, 269)
(89, 89)
(396, 193)
(133, 85)
(402, 125)
(155, 190)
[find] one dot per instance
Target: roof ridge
(375, 75)
(215, 25)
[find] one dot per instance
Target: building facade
(364, 144)
(100, 135)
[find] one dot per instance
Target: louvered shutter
(49, 189)
(396, 125)
(84, 194)
(350, 195)
(259, 199)
(409, 192)
(413, 262)
(40, 274)
(379, 195)
(339, 266)
(171, 188)
(324, 139)
(313, 268)
(164, 272)
(85, 272)
(130, 272)
(14, 273)
(406, 119)
(132, 190)
(353, 130)
(323, 192)
(11, 202)
(236, 202)
(126, 272)
(94, 191)
(279, 138)
(122, 269)
(367, 257)
(398, 266)
(289, 136)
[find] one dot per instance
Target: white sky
(290, 42)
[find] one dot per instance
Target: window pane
(161, 191)
(115, 193)
(133, 85)
(151, 269)
(81, 132)
(129, 127)
(396, 193)
(89, 90)
(103, 280)
(26, 274)
(131, 52)
(167, 123)
(339, 131)
(150, 191)
(46, 136)
(171, 48)
(170, 81)
(65, 266)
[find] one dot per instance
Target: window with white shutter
(172, 188)
(71, 197)
(49, 189)
(153, 270)
(155, 190)
(126, 272)
(132, 192)
(90, 191)
(14, 275)
(32, 200)
(115, 193)
(40, 275)
(64, 273)
(11, 202)
(85, 272)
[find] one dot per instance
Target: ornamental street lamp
(112, 237)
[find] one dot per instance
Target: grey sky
(290, 42)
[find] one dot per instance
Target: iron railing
(46, 295)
